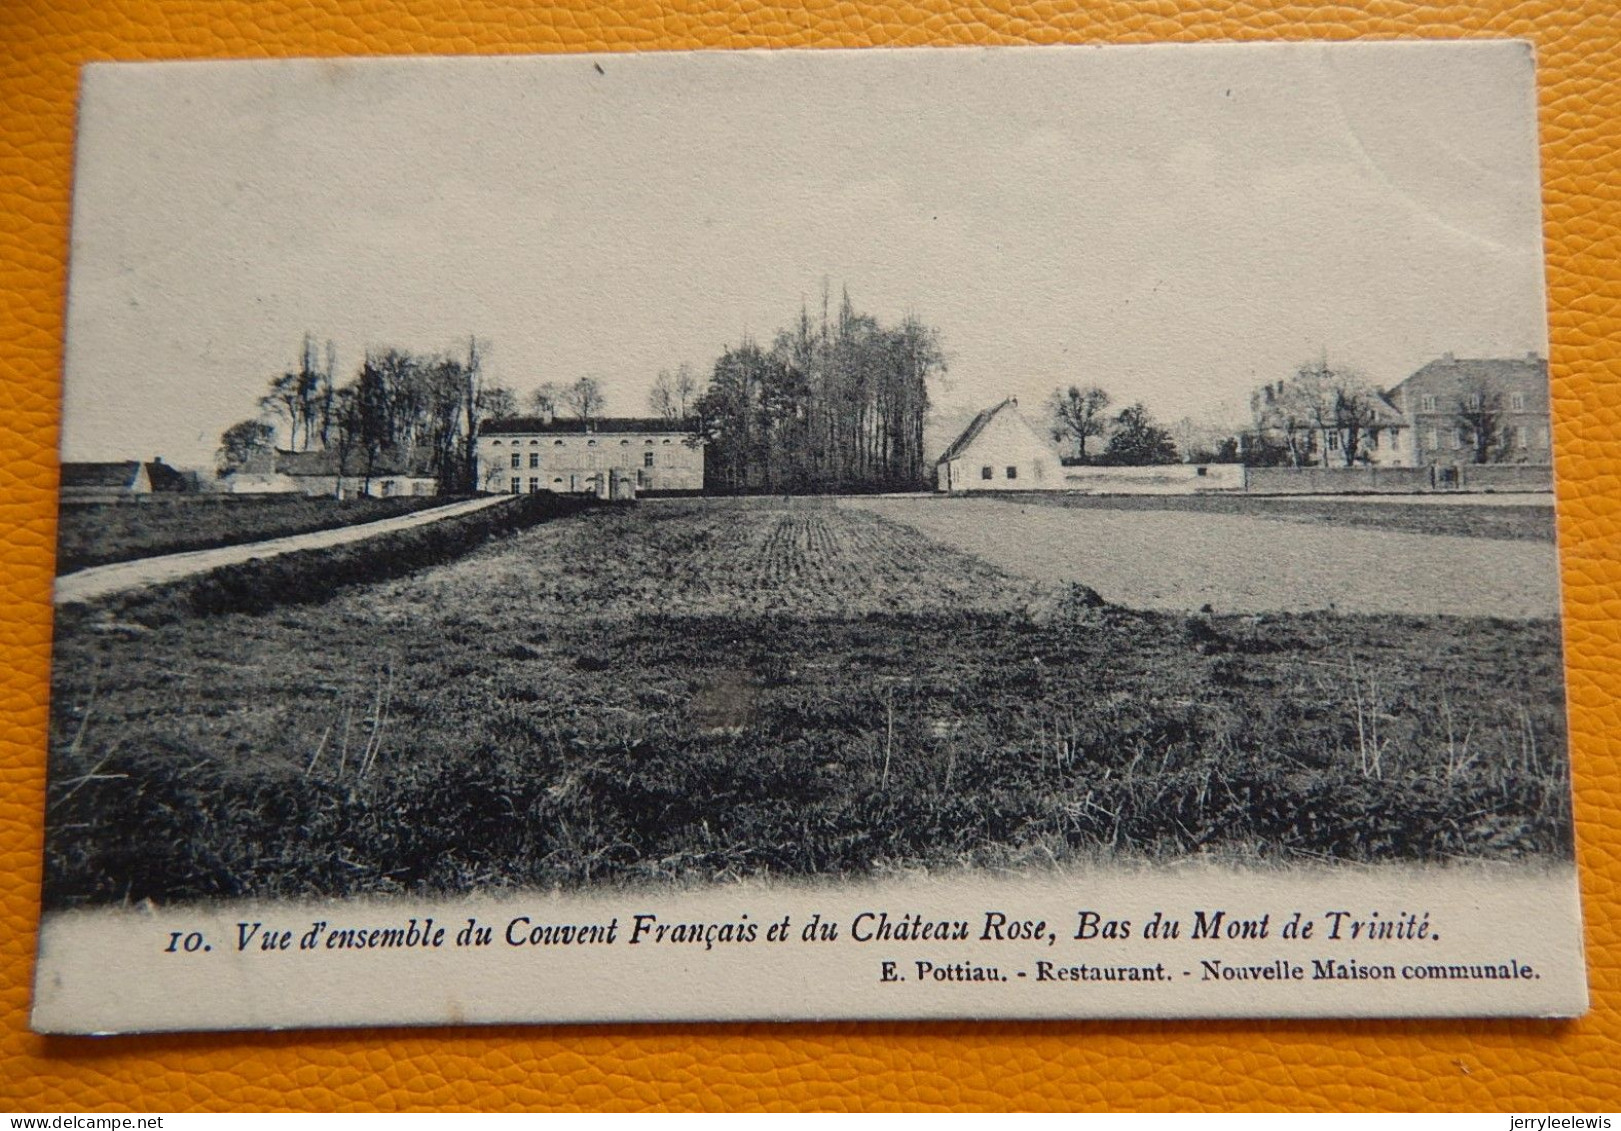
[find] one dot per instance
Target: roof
(1450, 375)
(1389, 416)
(527, 425)
(975, 427)
(115, 476)
(166, 478)
(325, 463)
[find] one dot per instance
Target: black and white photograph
(1039, 532)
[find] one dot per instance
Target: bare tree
(662, 399)
(545, 400)
(1078, 414)
(1318, 411)
(497, 402)
(585, 398)
(302, 398)
(674, 394)
(686, 390)
(1481, 422)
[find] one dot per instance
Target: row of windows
(1012, 471)
(1516, 402)
(588, 443)
(574, 483)
(534, 460)
(1369, 440)
(1518, 436)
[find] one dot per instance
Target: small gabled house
(118, 479)
(999, 451)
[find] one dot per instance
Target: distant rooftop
(530, 425)
(322, 464)
(112, 476)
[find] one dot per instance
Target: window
(498, 443)
(557, 481)
(517, 460)
(1475, 400)
(1426, 404)
(1202, 472)
(647, 459)
(1333, 441)
(649, 443)
(623, 443)
(664, 441)
(986, 472)
(517, 485)
(1517, 402)
(1395, 439)
(534, 459)
(1012, 472)
(557, 443)
(1432, 438)
(534, 485)
(590, 443)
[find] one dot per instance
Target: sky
(1176, 224)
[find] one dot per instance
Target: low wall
(1399, 480)
(1161, 479)
(1197, 479)
(1339, 480)
(1505, 477)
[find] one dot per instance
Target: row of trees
(1130, 437)
(418, 411)
(583, 400)
(1321, 414)
(831, 405)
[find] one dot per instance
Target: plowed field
(798, 557)
(709, 689)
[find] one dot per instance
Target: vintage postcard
(891, 534)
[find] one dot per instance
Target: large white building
(611, 457)
(999, 451)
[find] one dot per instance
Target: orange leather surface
(1524, 1066)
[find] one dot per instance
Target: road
(1240, 563)
(99, 581)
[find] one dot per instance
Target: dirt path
(88, 584)
(1236, 563)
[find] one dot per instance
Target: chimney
(1532, 355)
(1448, 358)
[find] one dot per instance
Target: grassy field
(92, 534)
(702, 691)
(1514, 522)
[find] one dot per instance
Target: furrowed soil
(701, 690)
